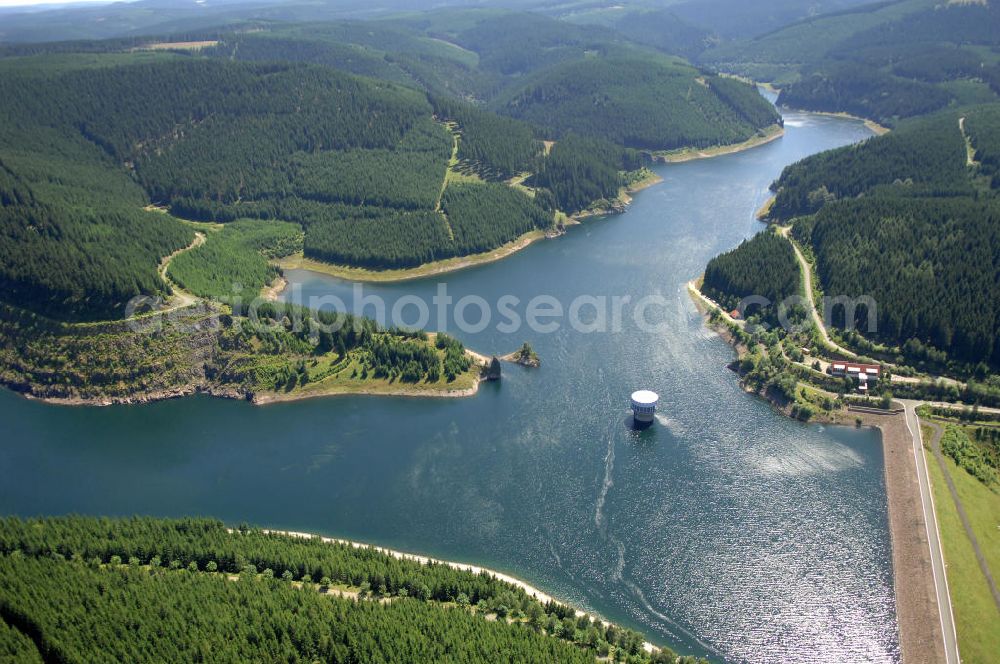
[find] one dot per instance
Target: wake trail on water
(602, 496)
(638, 594)
(618, 574)
(609, 468)
(555, 554)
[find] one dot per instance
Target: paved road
(933, 536)
(963, 517)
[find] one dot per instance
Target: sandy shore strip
(531, 590)
(478, 357)
(875, 127)
(765, 210)
(706, 305)
(271, 292)
(300, 262)
(773, 133)
(645, 183)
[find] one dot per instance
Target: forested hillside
(718, 19)
(191, 590)
(403, 165)
(904, 218)
(661, 29)
(492, 146)
(626, 102)
(931, 264)
(925, 156)
(761, 267)
(375, 173)
(380, 49)
(358, 164)
(842, 87)
(780, 53)
(581, 170)
(76, 242)
(556, 75)
(883, 61)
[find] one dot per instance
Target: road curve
(933, 536)
(179, 298)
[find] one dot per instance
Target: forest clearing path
(452, 163)
(179, 297)
(806, 270)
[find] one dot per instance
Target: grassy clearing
(977, 619)
(517, 182)
(235, 258)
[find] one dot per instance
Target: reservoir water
(725, 530)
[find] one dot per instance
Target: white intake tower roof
(645, 397)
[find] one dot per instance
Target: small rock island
(525, 356)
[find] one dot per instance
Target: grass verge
(977, 619)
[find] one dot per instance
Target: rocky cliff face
(492, 370)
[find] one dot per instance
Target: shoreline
(266, 398)
(873, 126)
(531, 590)
(259, 399)
(645, 183)
(274, 289)
(299, 261)
(410, 393)
(764, 210)
(617, 206)
(772, 133)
